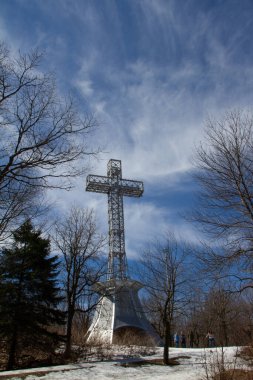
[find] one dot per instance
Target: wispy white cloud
(145, 223)
(143, 123)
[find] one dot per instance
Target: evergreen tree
(29, 294)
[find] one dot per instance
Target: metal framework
(116, 188)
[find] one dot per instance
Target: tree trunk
(71, 312)
(224, 333)
(12, 349)
(166, 344)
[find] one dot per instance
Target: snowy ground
(191, 367)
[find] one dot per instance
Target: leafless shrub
(217, 365)
(132, 337)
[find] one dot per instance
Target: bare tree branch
(225, 200)
(162, 272)
(78, 240)
(43, 136)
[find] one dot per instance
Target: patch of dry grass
(247, 354)
(235, 374)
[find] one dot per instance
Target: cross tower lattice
(116, 187)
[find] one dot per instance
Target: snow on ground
(191, 367)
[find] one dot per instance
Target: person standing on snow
(183, 341)
(210, 339)
(191, 338)
(176, 340)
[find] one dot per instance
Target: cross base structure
(119, 317)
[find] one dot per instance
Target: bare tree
(78, 240)
(225, 211)
(42, 135)
(163, 273)
(223, 313)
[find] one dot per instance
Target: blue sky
(152, 71)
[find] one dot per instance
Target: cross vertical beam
(115, 187)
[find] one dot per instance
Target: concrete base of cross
(119, 315)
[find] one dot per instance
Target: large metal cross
(115, 187)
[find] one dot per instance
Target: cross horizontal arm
(98, 183)
(131, 188)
